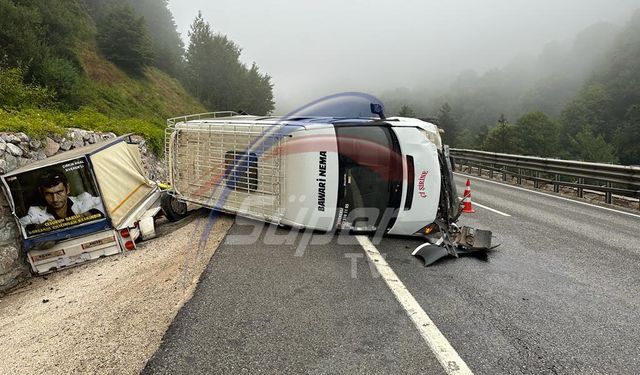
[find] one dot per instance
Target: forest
(116, 65)
(578, 101)
(121, 64)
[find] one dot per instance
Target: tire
(172, 208)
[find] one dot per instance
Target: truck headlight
(432, 137)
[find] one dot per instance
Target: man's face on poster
(56, 196)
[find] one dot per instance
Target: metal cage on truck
(233, 166)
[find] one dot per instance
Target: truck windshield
(371, 175)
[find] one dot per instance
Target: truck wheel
(173, 209)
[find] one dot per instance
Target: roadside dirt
(107, 316)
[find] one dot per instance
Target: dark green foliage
(406, 111)
(41, 37)
(124, 40)
(168, 48)
(538, 135)
(588, 91)
(258, 92)
(14, 94)
(45, 48)
(605, 112)
(590, 107)
(468, 140)
(218, 78)
(588, 147)
(63, 78)
(20, 38)
(502, 138)
(533, 134)
(197, 59)
(448, 123)
(579, 101)
(627, 137)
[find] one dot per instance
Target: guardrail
(609, 179)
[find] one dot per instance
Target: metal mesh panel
(233, 167)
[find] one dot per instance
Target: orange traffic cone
(466, 200)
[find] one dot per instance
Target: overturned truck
(361, 174)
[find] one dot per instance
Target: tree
(198, 52)
(20, 40)
(40, 37)
(448, 123)
(591, 106)
(168, 48)
(502, 138)
(15, 94)
(627, 138)
(538, 135)
(406, 111)
(124, 40)
(605, 104)
(218, 78)
(589, 147)
(466, 139)
(258, 92)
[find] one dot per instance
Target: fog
(312, 49)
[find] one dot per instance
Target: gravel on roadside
(107, 316)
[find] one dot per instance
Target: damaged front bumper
(444, 237)
(455, 242)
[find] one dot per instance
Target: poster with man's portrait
(55, 197)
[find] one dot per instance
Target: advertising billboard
(55, 197)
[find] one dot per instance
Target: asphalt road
(560, 295)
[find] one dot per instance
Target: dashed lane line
(490, 209)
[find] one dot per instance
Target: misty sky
(316, 48)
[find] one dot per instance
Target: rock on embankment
(17, 150)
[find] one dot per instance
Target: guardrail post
(607, 195)
(504, 173)
(556, 184)
(479, 171)
(519, 176)
(580, 189)
(493, 166)
(536, 182)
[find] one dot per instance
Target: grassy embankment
(112, 101)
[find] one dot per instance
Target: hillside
(155, 95)
(114, 102)
(53, 76)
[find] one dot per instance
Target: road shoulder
(107, 316)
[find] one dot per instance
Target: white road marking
(444, 352)
(549, 195)
(489, 208)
